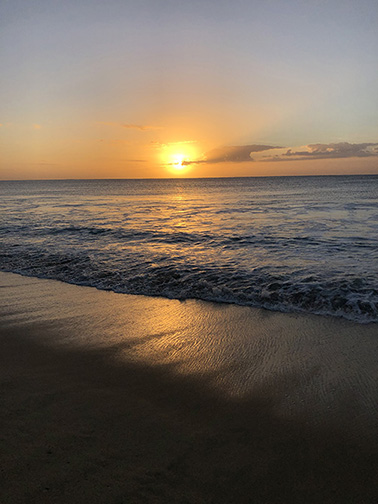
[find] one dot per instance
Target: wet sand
(109, 398)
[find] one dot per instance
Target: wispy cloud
(165, 145)
(137, 160)
(139, 127)
(114, 142)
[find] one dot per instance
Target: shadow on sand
(81, 426)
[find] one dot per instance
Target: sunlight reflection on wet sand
(308, 363)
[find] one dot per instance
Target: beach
(112, 398)
(188, 252)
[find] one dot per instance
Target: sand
(111, 398)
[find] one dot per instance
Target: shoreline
(116, 398)
(292, 310)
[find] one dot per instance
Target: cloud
(114, 142)
(139, 127)
(334, 150)
(166, 145)
(232, 154)
(253, 152)
(137, 160)
(322, 151)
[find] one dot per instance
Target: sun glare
(179, 156)
(178, 161)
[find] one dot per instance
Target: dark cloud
(256, 152)
(330, 151)
(231, 154)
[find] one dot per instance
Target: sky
(199, 88)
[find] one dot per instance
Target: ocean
(291, 244)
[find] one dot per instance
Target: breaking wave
(293, 244)
(346, 296)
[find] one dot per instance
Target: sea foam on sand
(116, 398)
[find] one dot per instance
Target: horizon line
(191, 178)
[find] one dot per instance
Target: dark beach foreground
(109, 398)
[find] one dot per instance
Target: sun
(179, 157)
(178, 161)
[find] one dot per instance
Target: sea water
(295, 244)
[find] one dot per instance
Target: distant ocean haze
(295, 244)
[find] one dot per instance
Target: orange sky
(146, 89)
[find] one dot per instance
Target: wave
(123, 235)
(348, 296)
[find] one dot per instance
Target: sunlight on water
(300, 243)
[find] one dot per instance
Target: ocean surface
(293, 244)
